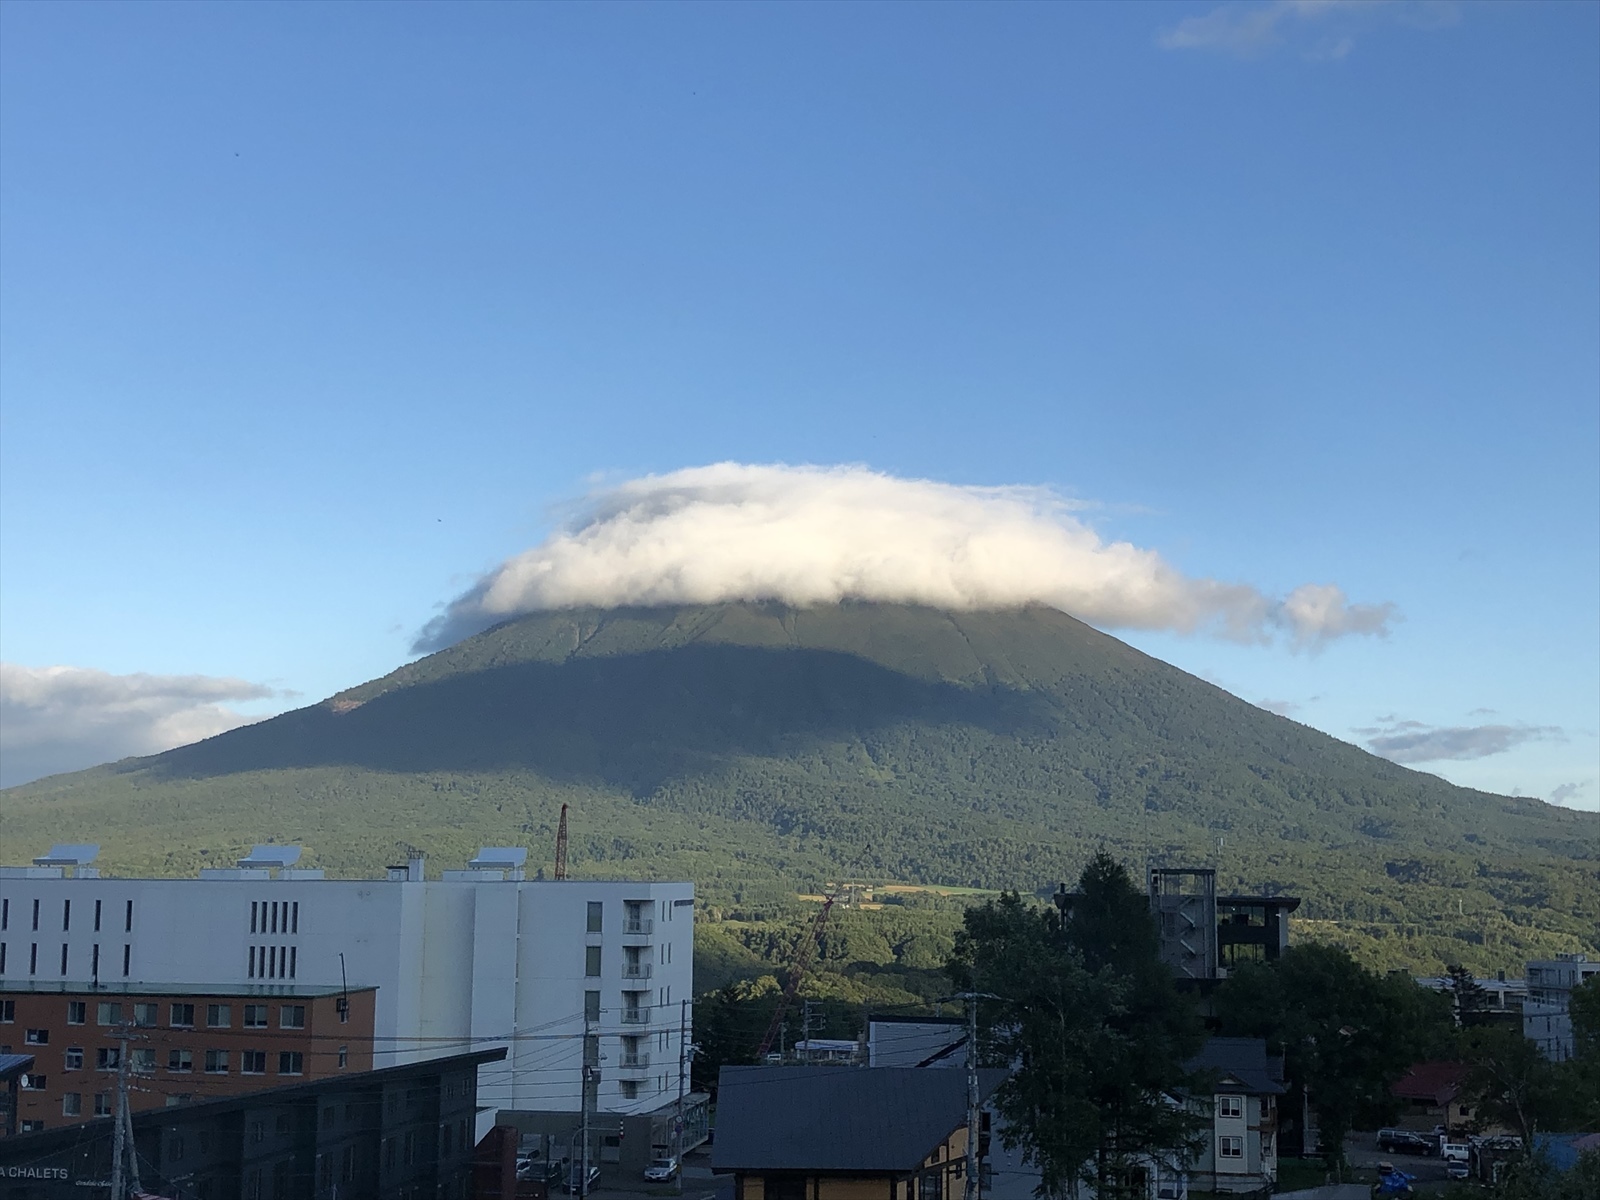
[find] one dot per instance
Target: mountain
(761, 750)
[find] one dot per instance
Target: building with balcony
(1546, 1013)
(479, 957)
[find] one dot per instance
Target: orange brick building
(183, 1043)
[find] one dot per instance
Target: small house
(865, 1133)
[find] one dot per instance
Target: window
(253, 1062)
(97, 916)
(283, 1124)
(5, 914)
(108, 1013)
(102, 1104)
(258, 1132)
(144, 1014)
(63, 958)
(33, 1083)
(216, 1062)
(630, 1089)
(591, 1006)
(36, 916)
(175, 1147)
(291, 1062)
(344, 1057)
(77, 1012)
(127, 958)
(596, 915)
(219, 1016)
(8, 1011)
(180, 1060)
(183, 1016)
(66, 916)
(591, 961)
(73, 1059)
(291, 1016)
(1230, 1147)
(32, 1126)
(37, 1037)
(106, 1059)
(72, 1104)
(127, 924)
(144, 1059)
(255, 1016)
(1230, 1106)
(33, 958)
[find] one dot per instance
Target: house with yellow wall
(845, 1133)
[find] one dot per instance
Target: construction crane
(561, 845)
(803, 951)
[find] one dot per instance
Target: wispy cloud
(1568, 794)
(1417, 742)
(818, 535)
(1283, 708)
(55, 719)
(1319, 29)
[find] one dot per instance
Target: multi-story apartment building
(1546, 1013)
(183, 1044)
(479, 958)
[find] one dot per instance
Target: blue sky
(310, 315)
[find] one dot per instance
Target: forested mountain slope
(760, 750)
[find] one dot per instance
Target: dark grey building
(405, 1133)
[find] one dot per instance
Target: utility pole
(974, 1118)
(583, 1178)
(122, 1146)
(683, 1065)
(974, 1101)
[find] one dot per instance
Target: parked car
(1455, 1152)
(1403, 1141)
(1457, 1170)
(573, 1184)
(662, 1170)
(539, 1170)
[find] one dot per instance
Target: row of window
(274, 916)
(633, 915)
(142, 1060)
(274, 962)
(179, 1016)
(94, 964)
(66, 915)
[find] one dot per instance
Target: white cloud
(1417, 742)
(819, 535)
(1321, 29)
(55, 719)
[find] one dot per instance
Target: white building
(477, 959)
(1546, 1015)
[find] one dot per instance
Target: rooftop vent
(503, 858)
(271, 857)
(64, 854)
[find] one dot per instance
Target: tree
(1346, 1034)
(1579, 1077)
(1090, 1021)
(1472, 1000)
(1510, 1082)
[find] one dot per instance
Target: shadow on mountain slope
(631, 721)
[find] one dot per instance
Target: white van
(1454, 1152)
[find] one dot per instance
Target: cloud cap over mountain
(55, 719)
(808, 535)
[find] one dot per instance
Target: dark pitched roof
(14, 1064)
(1434, 1082)
(854, 1119)
(1243, 1062)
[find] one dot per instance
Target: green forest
(766, 752)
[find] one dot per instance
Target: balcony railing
(636, 1016)
(638, 925)
(636, 970)
(635, 1062)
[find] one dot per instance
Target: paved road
(1361, 1151)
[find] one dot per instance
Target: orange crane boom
(803, 951)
